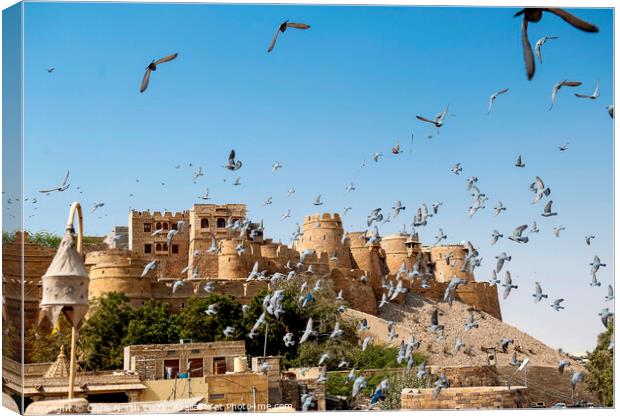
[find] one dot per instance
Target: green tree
(194, 323)
(45, 344)
(153, 323)
(293, 318)
(101, 335)
(600, 366)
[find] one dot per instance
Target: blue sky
(322, 102)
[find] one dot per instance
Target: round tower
(367, 259)
(445, 272)
(323, 234)
(396, 252)
(118, 270)
(231, 265)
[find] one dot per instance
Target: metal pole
(72, 363)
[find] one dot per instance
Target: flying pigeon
(153, 67)
(593, 96)
(556, 304)
(508, 286)
(519, 163)
(232, 163)
(538, 295)
(63, 186)
(437, 121)
(539, 44)
(282, 28)
(494, 97)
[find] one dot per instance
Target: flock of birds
(421, 269)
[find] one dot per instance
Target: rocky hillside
(413, 318)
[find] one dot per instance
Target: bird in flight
(63, 187)
(232, 163)
(437, 121)
(593, 96)
(556, 88)
(282, 28)
(534, 15)
(539, 45)
(50, 69)
(494, 97)
(153, 67)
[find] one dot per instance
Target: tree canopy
(600, 366)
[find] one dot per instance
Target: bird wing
(537, 49)
(505, 90)
(596, 92)
(519, 230)
(538, 288)
(441, 115)
(45, 191)
(273, 41)
(424, 119)
(554, 93)
(298, 25)
(530, 65)
(539, 184)
(572, 20)
(231, 156)
(145, 80)
(64, 182)
(583, 95)
(166, 59)
(548, 206)
(571, 83)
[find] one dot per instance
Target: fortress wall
(547, 385)
(357, 295)
(241, 290)
(468, 376)
(36, 260)
(118, 271)
(497, 397)
(445, 272)
(480, 295)
(327, 238)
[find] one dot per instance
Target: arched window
(221, 223)
(165, 226)
(165, 247)
(158, 247)
(204, 223)
(158, 226)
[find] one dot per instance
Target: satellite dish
(523, 364)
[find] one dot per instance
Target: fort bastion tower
(323, 233)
